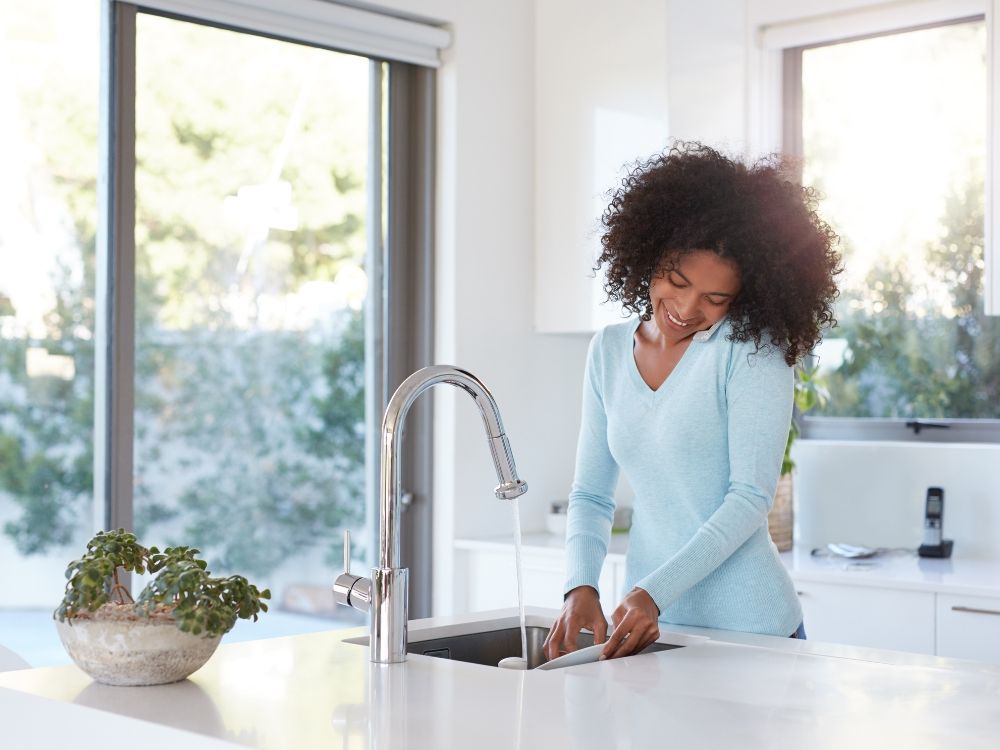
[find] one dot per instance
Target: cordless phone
(934, 544)
(933, 516)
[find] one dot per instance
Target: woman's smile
(674, 320)
(693, 293)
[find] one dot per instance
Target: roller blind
(318, 22)
(879, 18)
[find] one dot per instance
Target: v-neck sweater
(702, 454)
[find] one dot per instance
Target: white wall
(873, 494)
(706, 64)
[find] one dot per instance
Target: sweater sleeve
(759, 406)
(591, 500)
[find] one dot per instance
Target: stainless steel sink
(489, 647)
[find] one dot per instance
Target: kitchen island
(719, 690)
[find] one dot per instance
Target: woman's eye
(674, 281)
(714, 303)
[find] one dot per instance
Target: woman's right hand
(582, 609)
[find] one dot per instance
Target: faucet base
(389, 614)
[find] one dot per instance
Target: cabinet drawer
(968, 627)
(867, 616)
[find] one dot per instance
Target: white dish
(513, 662)
(573, 658)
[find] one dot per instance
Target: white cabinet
(949, 625)
(618, 577)
(489, 579)
(968, 627)
(868, 616)
(600, 103)
(612, 579)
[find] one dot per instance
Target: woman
(731, 274)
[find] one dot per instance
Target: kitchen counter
(721, 690)
(898, 570)
(955, 575)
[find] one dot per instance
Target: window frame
(399, 314)
(955, 430)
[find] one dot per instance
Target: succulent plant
(183, 587)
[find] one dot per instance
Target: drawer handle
(800, 593)
(976, 610)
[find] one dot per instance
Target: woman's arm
(589, 517)
(591, 499)
(759, 403)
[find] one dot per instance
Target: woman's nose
(686, 306)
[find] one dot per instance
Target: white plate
(580, 656)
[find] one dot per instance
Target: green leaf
(200, 603)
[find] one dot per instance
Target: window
(250, 215)
(226, 308)
(892, 133)
(48, 218)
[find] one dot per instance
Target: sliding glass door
(48, 199)
(210, 279)
(251, 171)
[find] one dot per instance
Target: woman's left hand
(635, 625)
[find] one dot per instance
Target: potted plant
(168, 632)
(809, 392)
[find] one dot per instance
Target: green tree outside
(915, 358)
(249, 436)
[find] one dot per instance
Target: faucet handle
(347, 551)
(348, 589)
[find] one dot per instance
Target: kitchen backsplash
(873, 494)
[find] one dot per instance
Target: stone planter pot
(115, 649)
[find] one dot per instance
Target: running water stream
(520, 582)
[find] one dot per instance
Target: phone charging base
(936, 550)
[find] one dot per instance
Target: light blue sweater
(702, 454)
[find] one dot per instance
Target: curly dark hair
(691, 198)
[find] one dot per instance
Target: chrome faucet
(386, 592)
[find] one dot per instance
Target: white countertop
(722, 690)
(955, 575)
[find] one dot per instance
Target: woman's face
(693, 296)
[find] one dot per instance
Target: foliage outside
(249, 416)
(183, 587)
(916, 358)
(894, 132)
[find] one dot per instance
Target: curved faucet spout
(392, 429)
(386, 592)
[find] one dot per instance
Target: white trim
(876, 19)
(764, 100)
(863, 429)
(321, 23)
(991, 242)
